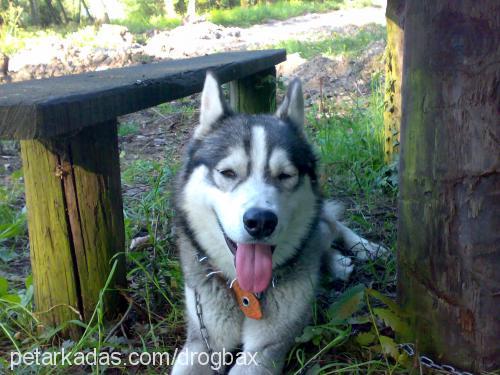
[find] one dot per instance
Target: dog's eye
(228, 173)
(284, 176)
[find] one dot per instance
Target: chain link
(203, 328)
(409, 349)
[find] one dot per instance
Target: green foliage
(280, 10)
(9, 28)
(351, 324)
(347, 304)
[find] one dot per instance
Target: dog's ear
(292, 108)
(213, 106)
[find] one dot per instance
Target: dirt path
(310, 26)
(205, 37)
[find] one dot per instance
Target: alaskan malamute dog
(252, 232)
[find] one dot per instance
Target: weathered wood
(75, 222)
(395, 12)
(255, 93)
(50, 107)
(449, 219)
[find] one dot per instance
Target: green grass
(281, 10)
(348, 45)
(12, 219)
(128, 128)
(183, 106)
(350, 138)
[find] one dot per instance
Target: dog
(252, 230)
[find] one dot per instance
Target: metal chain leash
(409, 349)
(203, 328)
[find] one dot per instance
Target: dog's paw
(341, 266)
(365, 249)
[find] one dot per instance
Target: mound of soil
(112, 46)
(53, 56)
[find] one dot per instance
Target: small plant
(9, 28)
(352, 324)
(128, 128)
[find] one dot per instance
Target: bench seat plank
(51, 107)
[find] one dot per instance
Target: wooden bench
(69, 146)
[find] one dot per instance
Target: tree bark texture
(393, 77)
(449, 216)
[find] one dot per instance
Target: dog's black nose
(260, 223)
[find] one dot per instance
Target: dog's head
(248, 192)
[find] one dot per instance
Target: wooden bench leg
(255, 93)
(75, 221)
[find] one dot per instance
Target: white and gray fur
(274, 168)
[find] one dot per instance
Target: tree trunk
(35, 12)
(63, 11)
(449, 219)
(54, 16)
(393, 77)
(84, 4)
(4, 65)
(79, 12)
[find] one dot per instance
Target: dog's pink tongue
(254, 266)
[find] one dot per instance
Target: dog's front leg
(265, 346)
(262, 360)
(222, 330)
(266, 342)
(191, 359)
